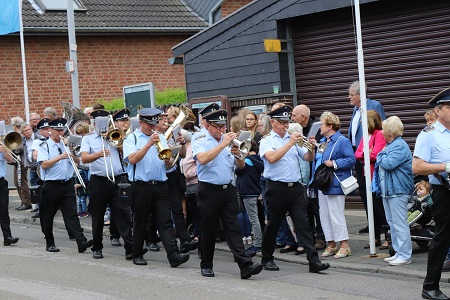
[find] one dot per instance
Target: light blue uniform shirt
(220, 170)
(150, 167)
(2, 165)
(434, 148)
(92, 143)
(62, 170)
(287, 169)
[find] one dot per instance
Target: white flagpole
(24, 66)
(367, 175)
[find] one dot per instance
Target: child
(431, 118)
(422, 202)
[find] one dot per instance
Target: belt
(151, 182)
(59, 181)
(286, 184)
(215, 186)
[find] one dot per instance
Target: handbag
(348, 185)
(323, 177)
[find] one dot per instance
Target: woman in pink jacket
(376, 144)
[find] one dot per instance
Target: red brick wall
(230, 6)
(105, 65)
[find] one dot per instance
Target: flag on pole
(9, 16)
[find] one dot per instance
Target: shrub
(171, 96)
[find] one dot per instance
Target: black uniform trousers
(103, 192)
(438, 249)
(4, 203)
(59, 194)
(175, 197)
(214, 204)
(152, 198)
(282, 198)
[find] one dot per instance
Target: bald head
(300, 115)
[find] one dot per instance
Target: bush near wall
(167, 97)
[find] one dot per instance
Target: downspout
(213, 11)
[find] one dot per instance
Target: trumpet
(12, 141)
(74, 166)
(243, 146)
(321, 147)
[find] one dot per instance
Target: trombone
(74, 166)
(12, 141)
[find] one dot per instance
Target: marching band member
(432, 158)
(103, 191)
(58, 192)
(216, 196)
(5, 156)
(284, 192)
(148, 174)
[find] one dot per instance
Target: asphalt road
(29, 272)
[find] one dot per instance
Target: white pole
(24, 66)
(362, 82)
(73, 53)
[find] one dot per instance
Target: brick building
(118, 44)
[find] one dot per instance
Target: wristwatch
(447, 167)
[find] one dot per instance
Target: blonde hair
(373, 121)
(425, 184)
(393, 126)
(331, 119)
(236, 124)
(430, 114)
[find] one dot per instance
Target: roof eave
(115, 30)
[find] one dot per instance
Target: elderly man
(281, 156)
(355, 135)
(432, 158)
(301, 115)
(34, 120)
(217, 196)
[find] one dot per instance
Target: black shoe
(298, 252)
(34, 210)
(115, 242)
(434, 294)
(84, 245)
(318, 266)
(153, 247)
(129, 255)
(17, 208)
(188, 246)
(52, 248)
(270, 266)
(36, 216)
(364, 230)
(24, 207)
(10, 240)
(287, 249)
(140, 261)
(97, 254)
(71, 236)
(250, 270)
(177, 259)
(207, 272)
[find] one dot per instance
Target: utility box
(138, 96)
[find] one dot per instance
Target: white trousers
(332, 217)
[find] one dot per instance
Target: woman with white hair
(393, 179)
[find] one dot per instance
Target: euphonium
(12, 141)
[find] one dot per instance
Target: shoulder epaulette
(200, 137)
(428, 129)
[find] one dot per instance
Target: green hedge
(167, 97)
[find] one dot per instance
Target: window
(59, 5)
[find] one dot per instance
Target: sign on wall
(139, 95)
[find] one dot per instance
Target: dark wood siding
(406, 52)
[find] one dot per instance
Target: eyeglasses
(218, 127)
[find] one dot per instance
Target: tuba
(73, 115)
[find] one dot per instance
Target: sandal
(330, 251)
(343, 252)
(385, 246)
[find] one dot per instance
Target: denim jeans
(251, 205)
(244, 224)
(395, 209)
(81, 203)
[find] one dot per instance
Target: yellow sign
(271, 45)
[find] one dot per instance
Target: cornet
(243, 146)
(163, 152)
(321, 147)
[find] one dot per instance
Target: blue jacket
(247, 181)
(345, 160)
(393, 170)
(371, 105)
